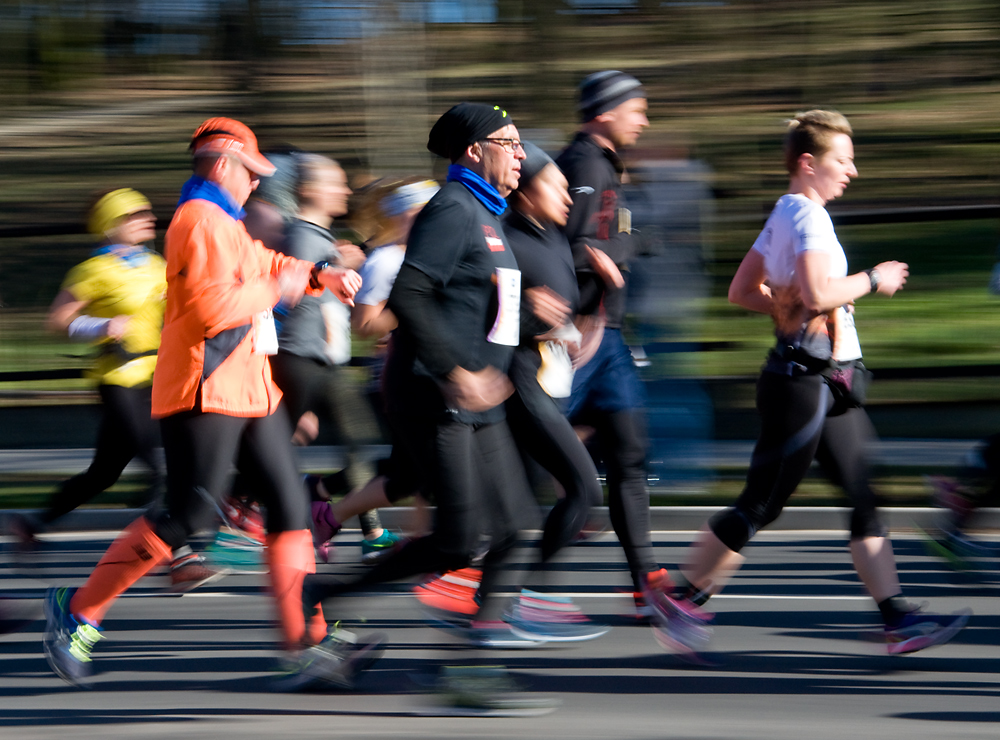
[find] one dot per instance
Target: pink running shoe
(678, 624)
(324, 527)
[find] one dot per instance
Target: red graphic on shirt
(605, 216)
(493, 240)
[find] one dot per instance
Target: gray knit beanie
(602, 91)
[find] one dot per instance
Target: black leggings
(126, 431)
(545, 434)
(800, 422)
(201, 449)
(622, 435)
(479, 486)
(327, 390)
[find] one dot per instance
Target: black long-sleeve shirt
(447, 295)
(599, 218)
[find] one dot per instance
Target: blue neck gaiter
(198, 188)
(133, 256)
(484, 192)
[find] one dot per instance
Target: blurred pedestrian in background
(314, 343)
(389, 208)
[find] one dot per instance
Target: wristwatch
(314, 282)
(875, 278)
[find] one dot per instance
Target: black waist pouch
(849, 382)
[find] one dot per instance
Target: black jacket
(599, 218)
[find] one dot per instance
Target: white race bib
(337, 319)
(265, 335)
(555, 375)
(507, 328)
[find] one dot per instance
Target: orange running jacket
(218, 278)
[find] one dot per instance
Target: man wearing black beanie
(457, 298)
(606, 391)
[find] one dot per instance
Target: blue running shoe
(497, 634)
(549, 618)
(919, 630)
(68, 642)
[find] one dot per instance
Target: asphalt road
(790, 652)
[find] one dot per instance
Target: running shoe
(453, 593)
(955, 548)
(544, 617)
(496, 634)
(334, 663)
(233, 551)
(678, 624)
(374, 550)
(657, 579)
(245, 517)
(189, 571)
(643, 611)
(324, 528)
(68, 642)
(487, 691)
(947, 493)
(919, 630)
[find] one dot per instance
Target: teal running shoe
(68, 642)
(374, 550)
(234, 551)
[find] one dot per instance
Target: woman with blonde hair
(810, 395)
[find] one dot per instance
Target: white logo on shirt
(584, 190)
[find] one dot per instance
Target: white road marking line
(564, 594)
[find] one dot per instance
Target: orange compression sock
(135, 552)
(289, 557)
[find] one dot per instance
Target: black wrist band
(874, 279)
(314, 277)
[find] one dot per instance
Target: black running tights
(800, 422)
(127, 431)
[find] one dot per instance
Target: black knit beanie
(463, 125)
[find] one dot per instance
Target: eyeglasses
(510, 145)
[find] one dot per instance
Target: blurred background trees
(101, 93)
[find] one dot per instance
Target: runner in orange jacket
(217, 405)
